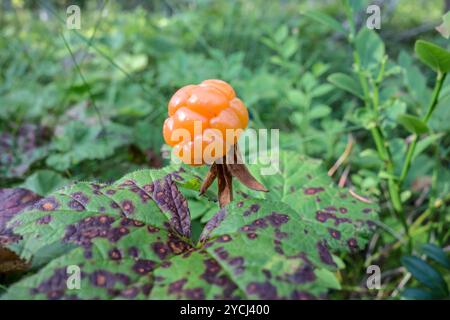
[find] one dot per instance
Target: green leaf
(304, 185)
(425, 274)
(365, 117)
(437, 254)
(132, 63)
(417, 294)
(297, 98)
(328, 278)
(281, 34)
(370, 48)
(414, 79)
(386, 175)
(44, 182)
(308, 81)
(289, 48)
(390, 111)
(13, 201)
(443, 182)
(321, 90)
(434, 56)
(319, 111)
(325, 19)
(358, 5)
(347, 83)
(412, 123)
(132, 239)
(20, 147)
(79, 142)
(423, 144)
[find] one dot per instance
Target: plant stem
(376, 132)
(412, 146)
(440, 78)
(381, 144)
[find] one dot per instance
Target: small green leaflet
(75, 143)
(132, 239)
(20, 147)
(412, 123)
(325, 19)
(434, 56)
(44, 182)
(347, 83)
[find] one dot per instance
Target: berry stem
(230, 166)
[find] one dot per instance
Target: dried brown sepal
(239, 170)
(11, 262)
(225, 187)
(212, 175)
(224, 173)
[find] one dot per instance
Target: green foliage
(19, 149)
(437, 254)
(412, 124)
(132, 239)
(75, 143)
(427, 276)
(347, 83)
(44, 182)
(325, 19)
(434, 56)
(89, 105)
(370, 49)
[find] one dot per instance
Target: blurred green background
(89, 104)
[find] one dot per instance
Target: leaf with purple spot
(343, 219)
(20, 147)
(132, 239)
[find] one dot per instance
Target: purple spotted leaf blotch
(132, 239)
